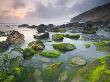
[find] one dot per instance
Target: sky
(44, 11)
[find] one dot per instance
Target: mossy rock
(72, 36)
(64, 46)
(28, 52)
(10, 78)
(63, 76)
(57, 37)
(77, 61)
(97, 71)
(103, 45)
(37, 45)
(52, 68)
(87, 45)
(50, 53)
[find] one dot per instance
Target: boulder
(72, 36)
(64, 46)
(50, 53)
(77, 61)
(42, 36)
(57, 37)
(52, 68)
(15, 38)
(28, 52)
(37, 45)
(41, 28)
(87, 45)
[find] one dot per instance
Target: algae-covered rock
(77, 61)
(50, 53)
(64, 46)
(37, 45)
(63, 76)
(87, 45)
(58, 37)
(103, 45)
(28, 52)
(72, 36)
(52, 68)
(97, 71)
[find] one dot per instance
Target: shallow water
(89, 54)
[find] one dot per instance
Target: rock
(15, 38)
(52, 68)
(33, 26)
(42, 36)
(77, 61)
(64, 46)
(57, 37)
(23, 25)
(28, 52)
(72, 36)
(50, 53)
(89, 29)
(63, 76)
(37, 45)
(4, 45)
(87, 45)
(41, 28)
(58, 29)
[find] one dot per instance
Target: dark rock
(4, 45)
(23, 25)
(33, 26)
(42, 36)
(15, 38)
(41, 28)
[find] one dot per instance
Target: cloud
(87, 5)
(45, 10)
(60, 8)
(18, 4)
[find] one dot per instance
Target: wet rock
(72, 36)
(89, 29)
(33, 26)
(28, 52)
(37, 45)
(63, 76)
(4, 45)
(50, 53)
(64, 46)
(87, 45)
(41, 28)
(77, 61)
(15, 38)
(52, 68)
(57, 37)
(23, 25)
(42, 36)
